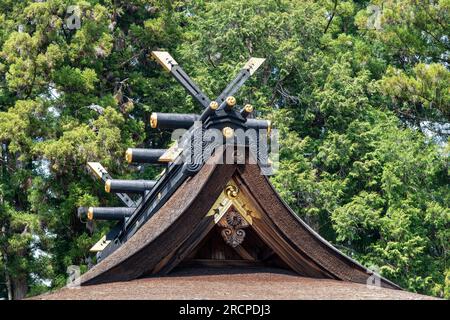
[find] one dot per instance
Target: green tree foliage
(361, 108)
(422, 95)
(68, 96)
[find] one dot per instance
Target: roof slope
(299, 235)
(161, 236)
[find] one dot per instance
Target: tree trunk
(7, 277)
(8, 285)
(20, 287)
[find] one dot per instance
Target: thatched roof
(245, 284)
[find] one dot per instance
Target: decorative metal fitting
(227, 132)
(231, 101)
(231, 191)
(108, 186)
(154, 120)
(213, 105)
(90, 213)
(129, 155)
(248, 108)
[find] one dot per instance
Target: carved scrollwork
(233, 224)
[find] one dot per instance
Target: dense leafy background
(363, 112)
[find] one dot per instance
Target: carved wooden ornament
(233, 224)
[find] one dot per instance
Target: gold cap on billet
(108, 186)
(90, 213)
(154, 120)
(231, 101)
(269, 127)
(213, 105)
(227, 132)
(129, 155)
(248, 108)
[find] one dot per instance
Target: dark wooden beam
(209, 263)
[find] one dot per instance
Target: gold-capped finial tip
(90, 213)
(213, 105)
(269, 127)
(154, 120)
(129, 155)
(248, 108)
(227, 132)
(231, 101)
(108, 186)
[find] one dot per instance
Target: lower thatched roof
(231, 283)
